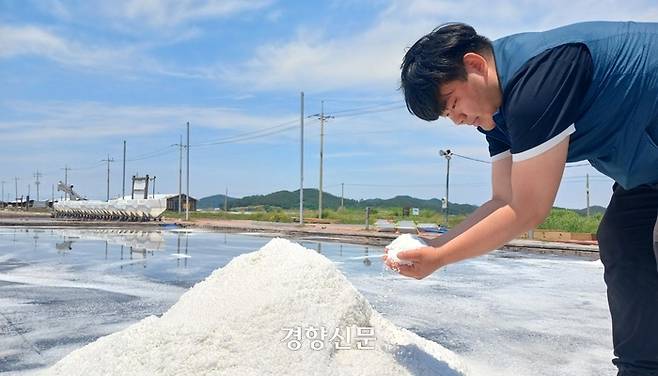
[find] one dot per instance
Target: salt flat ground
(505, 313)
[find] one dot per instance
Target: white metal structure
(119, 209)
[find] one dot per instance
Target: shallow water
(504, 313)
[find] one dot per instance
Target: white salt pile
(404, 242)
(283, 310)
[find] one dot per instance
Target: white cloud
(158, 13)
(33, 40)
(149, 24)
(55, 8)
(90, 120)
(371, 58)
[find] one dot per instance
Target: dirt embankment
(330, 231)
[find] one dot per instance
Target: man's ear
(475, 63)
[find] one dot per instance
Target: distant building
(172, 202)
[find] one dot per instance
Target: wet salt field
(505, 313)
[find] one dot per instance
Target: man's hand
(425, 261)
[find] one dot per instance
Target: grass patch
(558, 219)
(570, 221)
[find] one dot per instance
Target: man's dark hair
(435, 59)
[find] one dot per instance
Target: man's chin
(487, 127)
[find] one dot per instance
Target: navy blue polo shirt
(594, 82)
(542, 102)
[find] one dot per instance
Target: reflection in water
(64, 246)
(366, 260)
(185, 255)
(136, 240)
(140, 244)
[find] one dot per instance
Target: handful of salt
(403, 242)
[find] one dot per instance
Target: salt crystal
(235, 323)
(403, 242)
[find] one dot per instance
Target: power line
(255, 133)
(108, 160)
(371, 107)
(471, 158)
(369, 132)
(233, 140)
(152, 154)
(96, 165)
(357, 113)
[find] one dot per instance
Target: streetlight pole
(447, 154)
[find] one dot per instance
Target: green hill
(290, 200)
(595, 209)
(215, 201)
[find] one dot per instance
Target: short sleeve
(543, 100)
(498, 143)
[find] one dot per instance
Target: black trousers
(628, 244)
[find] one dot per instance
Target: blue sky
(79, 77)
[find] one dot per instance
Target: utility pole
(301, 161)
(187, 197)
(342, 195)
(123, 184)
(447, 154)
(37, 175)
(180, 173)
(226, 200)
(322, 118)
(53, 196)
(16, 179)
(2, 198)
(153, 186)
(66, 179)
(108, 160)
(587, 190)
